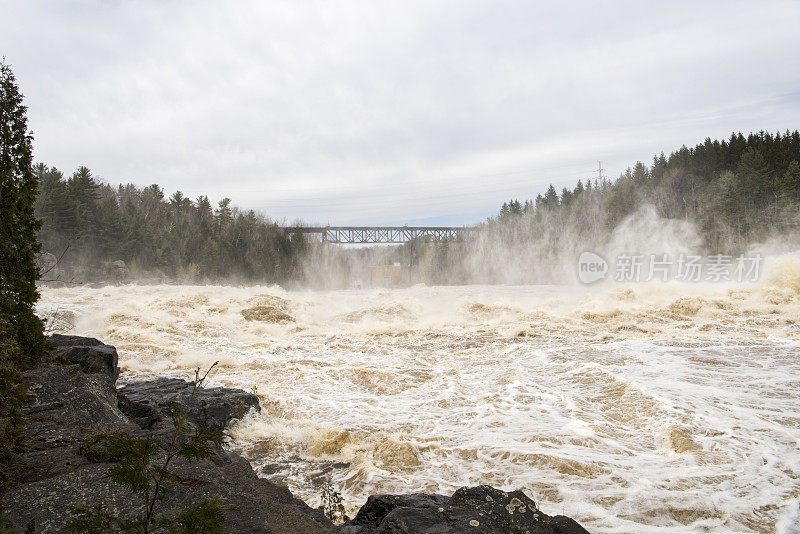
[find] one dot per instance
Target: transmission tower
(600, 171)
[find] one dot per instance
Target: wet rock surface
(72, 400)
(479, 509)
(149, 402)
(91, 354)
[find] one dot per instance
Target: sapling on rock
(143, 467)
(332, 505)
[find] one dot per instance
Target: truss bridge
(387, 234)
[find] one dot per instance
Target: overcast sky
(391, 112)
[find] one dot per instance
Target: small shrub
(12, 420)
(332, 504)
(143, 467)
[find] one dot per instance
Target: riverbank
(76, 397)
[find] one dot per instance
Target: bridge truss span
(387, 234)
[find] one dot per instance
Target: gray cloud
(377, 112)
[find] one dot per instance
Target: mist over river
(637, 408)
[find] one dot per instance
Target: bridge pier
(411, 249)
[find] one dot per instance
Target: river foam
(651, 407)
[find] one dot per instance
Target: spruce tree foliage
(550, 198)
(143, 468)
(18, 226)
(22, 343)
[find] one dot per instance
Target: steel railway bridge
(387, 234)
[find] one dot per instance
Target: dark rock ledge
(75, 397)
(480, 509)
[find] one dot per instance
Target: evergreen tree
(22, 342)
(143, 467)
(528, 207)
(566, 197)
(18, 225)
(641, 174)
(790, 184)
(504, 210)
(551, 197)
(224, 212)
(82, 190)
(752, 176)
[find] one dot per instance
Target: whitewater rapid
(640, 408)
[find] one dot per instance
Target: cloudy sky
(399, 112)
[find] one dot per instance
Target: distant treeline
(738, 191)
(719, 197)
(735, 193)
(93, 224)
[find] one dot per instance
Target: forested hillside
(720, 197)
(92, 224)
(732, 193)
(738, 191)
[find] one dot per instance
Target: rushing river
(644, 408)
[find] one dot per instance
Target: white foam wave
(657, 407)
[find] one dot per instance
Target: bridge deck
(386, 234)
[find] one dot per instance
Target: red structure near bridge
(387, 275)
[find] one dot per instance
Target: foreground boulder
(70, 401)
(63, 403)
(148, 403)
(263, 507)
(91, 354)
(480, 509)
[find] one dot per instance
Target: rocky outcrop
(262, 507)
(148, 403)
(92, 355)
(119, 270)
(64, 404)
(72, 400)
(480, 509)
